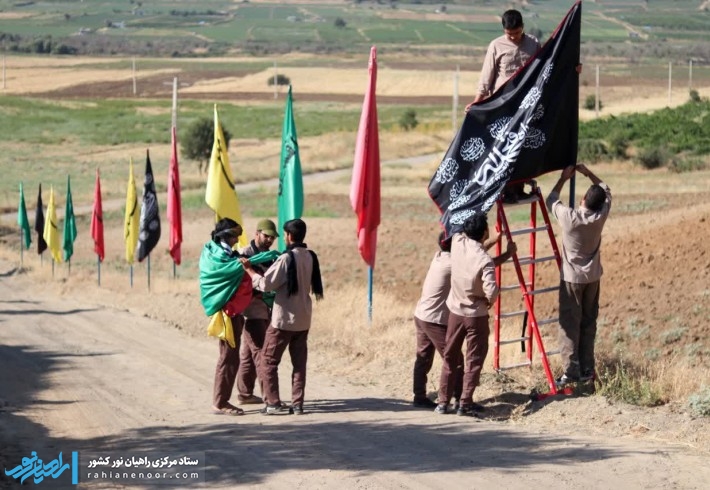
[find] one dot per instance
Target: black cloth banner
(149, 228)
(527, 128)
(39, 223)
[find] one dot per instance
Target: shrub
(686, 164)
(279, 79)
(591, 151)
(197, 142)
(408, 120)
(620, 381)
(699, 403)
(694, 96)
(590, 103)
(339, 22)
(617, 145)
(651, 158)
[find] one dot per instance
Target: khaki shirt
(257, 309)
(581, 238)
(503, 59)
(432, 307)
(292, 313)
(473, 279)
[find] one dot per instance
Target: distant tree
(408, 120)
(590, 103)
(280, 80)
(197, 142)
(536, 32)
(339, 22)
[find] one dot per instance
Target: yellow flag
(132, 217)
(220, 195)
(51, 229)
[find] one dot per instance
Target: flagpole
(52, 267)
(68, 267)
(22, 237)
(148, 268)
(131, 275)
(98, 262)
(369, 295)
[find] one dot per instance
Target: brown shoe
(249, 400)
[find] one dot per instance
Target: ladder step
(512, 314)
(530, 260)
(552, 352)
(544, 290)
(513, 366)
(547, 321)
(523, 231)
(512, 341)
(512, 287)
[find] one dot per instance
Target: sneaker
(441, 408)
(249, 400)
(297, 409)
(272, 409)
(469, 410)
(423, 403)
(456, 405)
(565, 380)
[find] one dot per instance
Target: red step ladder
(530, 339)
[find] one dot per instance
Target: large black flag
(149, 228)
(39, 223)
(527, 128)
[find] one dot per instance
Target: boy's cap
(267, 227)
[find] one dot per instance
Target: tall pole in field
(455, 102)
(276, 84)
(670, 80)
(133, 75)
(4, 85)
(690, 75)
(175, 89)
(596, 95)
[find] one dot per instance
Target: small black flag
(149, 228)
(527, 128)
(39, 223)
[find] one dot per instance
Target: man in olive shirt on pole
(581, 273)
(257, 316)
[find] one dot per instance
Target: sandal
(227, 410)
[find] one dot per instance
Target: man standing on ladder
(581, 273)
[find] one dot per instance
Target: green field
(179, 27)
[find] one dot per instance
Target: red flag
(97, 220)
(365, 185)
(174, 206)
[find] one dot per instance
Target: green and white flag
(69, 226)
(290, 199)
(23, 221)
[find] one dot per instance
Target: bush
(699, 403)
(654, 157)
(339, 23)
(694, 96)
(617, 145)
(408, 120)
(623, 382)
(686, 164)
(590, 103)
(279, 80)
(198, 140)
(591, 151)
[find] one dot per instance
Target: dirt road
(77, 377)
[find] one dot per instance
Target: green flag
(23, 221)
(69, 226)
(290, 200)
